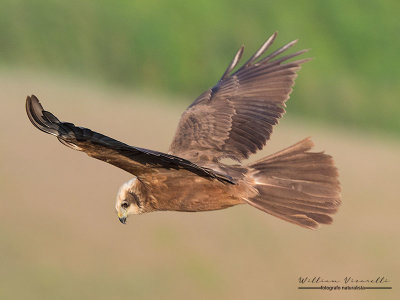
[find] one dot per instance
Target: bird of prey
(233, 119)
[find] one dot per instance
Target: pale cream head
(128, 202)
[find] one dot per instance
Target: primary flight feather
(231, 120)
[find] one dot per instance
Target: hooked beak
(122, 217)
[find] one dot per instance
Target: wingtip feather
(262, 49)
(41, 119)
(234, 62)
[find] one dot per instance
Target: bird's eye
(124, 205)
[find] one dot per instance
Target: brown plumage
(231, 120)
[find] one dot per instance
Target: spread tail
(296, 185)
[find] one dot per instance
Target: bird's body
(166, 191)
(231, 120)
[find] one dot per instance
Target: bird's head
(128, 201)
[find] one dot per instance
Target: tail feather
(298, 186)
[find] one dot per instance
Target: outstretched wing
(137, 161)
(235, 117)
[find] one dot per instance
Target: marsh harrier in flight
(232, 120)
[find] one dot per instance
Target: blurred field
(178, 47)
(60, 237)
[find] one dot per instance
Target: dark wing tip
(41, 119)
(233, 63)
(262, 49)
(256, 55)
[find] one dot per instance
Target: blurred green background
(128, 69)
(182, 47)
